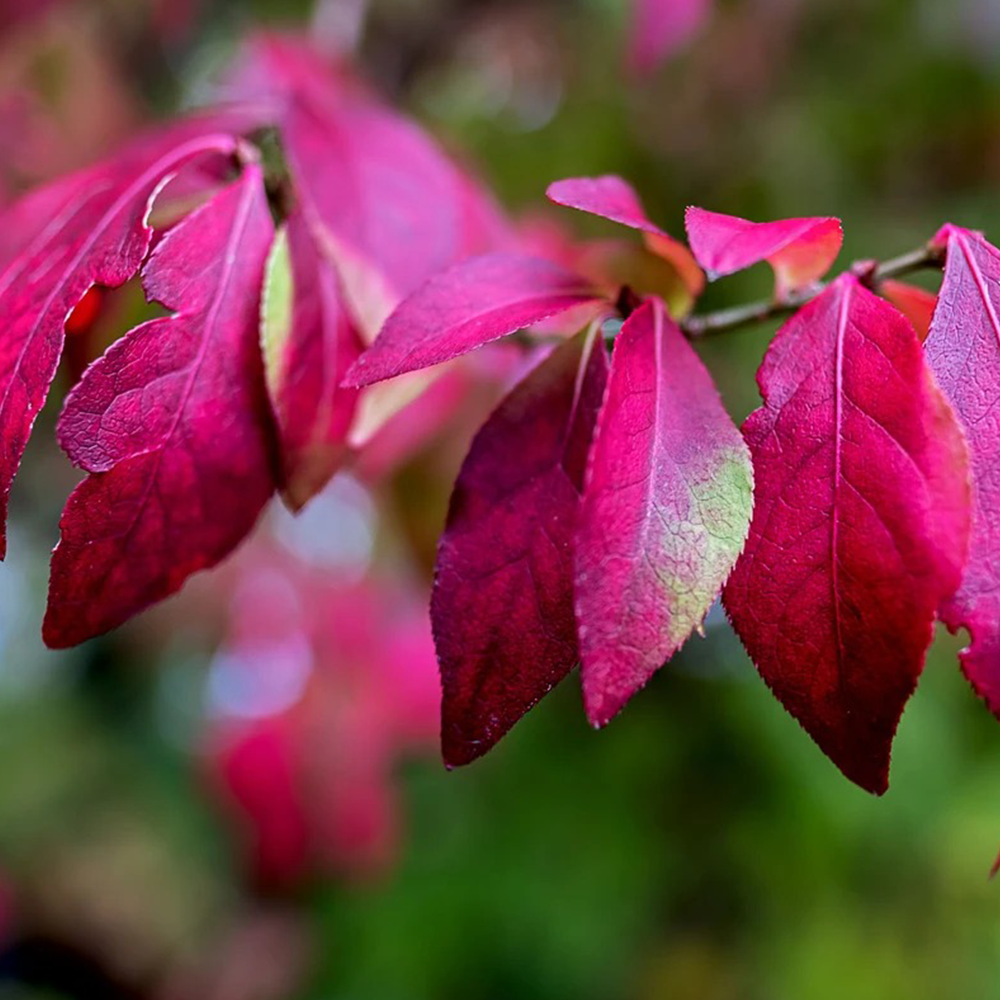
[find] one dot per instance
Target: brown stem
(870, 273)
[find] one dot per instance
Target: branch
(870, 273)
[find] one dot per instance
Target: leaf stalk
(870, 273)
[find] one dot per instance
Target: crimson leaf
(860, 527)
(502, 608)
(172, 424)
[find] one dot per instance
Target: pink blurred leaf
(256, 766)
(309, 344)
(665, 511)
(373, 184)
(613, 198)
(860, 527)
(83, 230)
(660, 28)
(469, 305)
(801, 251)
(963, 351)
(502, 607)
(915, 303)
(173, 423)
(273, 68)
(311, 763)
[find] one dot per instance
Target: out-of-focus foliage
(700, 847)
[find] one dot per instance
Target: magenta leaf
(470, 304)
(613, 198)
(801, 251)
(502, 608)
(88, 229)
(609, 197)
(660, 28)
(309, 343)
(172, 423)
(665, 512)
(963, 351)
(860, 527)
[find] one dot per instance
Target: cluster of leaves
(605, 505)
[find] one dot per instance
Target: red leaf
(665, 511)
(502, 608)
(474, 302)
(662, 27)
(173, 422)
(963, 351)
(916, 304)
(860, 526)
(84, 230)
(309, 344)
(612, 198)
(801, 251)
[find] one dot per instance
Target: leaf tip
(601, 705)
(54, 635)
(458, 751)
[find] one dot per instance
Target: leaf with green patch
(665, 512)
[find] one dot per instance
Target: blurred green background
(700, 848)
